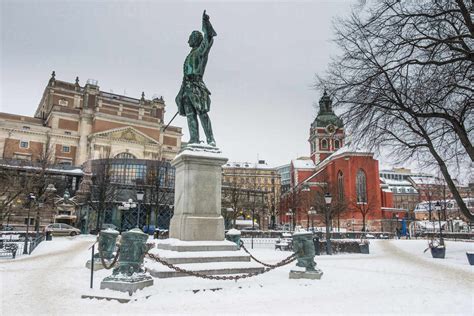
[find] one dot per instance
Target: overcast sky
(260, 69)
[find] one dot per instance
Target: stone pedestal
(312, 275)
(197, 201)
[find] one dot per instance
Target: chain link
(229, 277)
(263, 263)
(113, 261)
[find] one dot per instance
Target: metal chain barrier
(113, 261)
(229, 277)
(263, 263)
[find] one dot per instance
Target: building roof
(303, 164)
(326, 115)
(248, 165)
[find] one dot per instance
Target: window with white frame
(66, 149)
(324, 144)
(361, 186)
(24, 144)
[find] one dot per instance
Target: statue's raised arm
(207, 28)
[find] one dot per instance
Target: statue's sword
(164, 129)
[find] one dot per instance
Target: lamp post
(50, 189)
(328, 199)
(140, 195)
(290, 215)
(31, 198)
(429, 205)
(438, 209)
(311, 213)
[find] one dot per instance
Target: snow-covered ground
(396, 278)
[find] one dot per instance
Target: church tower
(326, 134)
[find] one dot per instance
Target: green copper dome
(326, 115)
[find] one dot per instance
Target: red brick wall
(12, 146)
(170, 141)
(68, 125)
(60, 154)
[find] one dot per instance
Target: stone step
(216, 271)
(182, 248)
(158, 270)
(175, 257)
(180, 260)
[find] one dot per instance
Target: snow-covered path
(41, 278)
(397, 277)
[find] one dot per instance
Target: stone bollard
(303, 247)
(234, 236)
(129, 275)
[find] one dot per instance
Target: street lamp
(290, 214)
(429, 205)
(438, 209)
(328, 199)
(140, 195)
(31, 198)
(311, 213)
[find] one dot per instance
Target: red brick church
(338, 167)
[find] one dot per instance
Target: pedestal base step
(179, 245)
(129, 287)
(159, 270)
(312, 275)
(217, 271)
(175, 257)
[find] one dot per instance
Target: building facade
(338, 167)
(251, 191)
(76, 124)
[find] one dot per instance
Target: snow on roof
(397, 182)
(248, 165)
(303, 164)
(427, 181)
(349, 148)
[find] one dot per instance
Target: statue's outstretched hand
(205, 17)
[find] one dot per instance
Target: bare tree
(103, 191)
(232, 196)
(364, 208)
(404, 81)
(11, 188)
(159, 187)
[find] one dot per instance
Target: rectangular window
(26, 127)
(24, 144)
(32, 221)
(66, 149)
(67, 133)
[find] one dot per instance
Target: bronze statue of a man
(193, 98)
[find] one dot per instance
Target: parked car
(104, 226)
(60, 229)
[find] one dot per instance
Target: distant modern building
(285, 177)
(76, 124)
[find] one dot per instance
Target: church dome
(326, 115)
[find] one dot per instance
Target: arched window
(125, 155)
(337, 143)
(324, 144)
(361, 186)
(340, 186)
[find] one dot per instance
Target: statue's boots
(193, 129)
(207, 127)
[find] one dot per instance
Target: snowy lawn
(397, 277)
